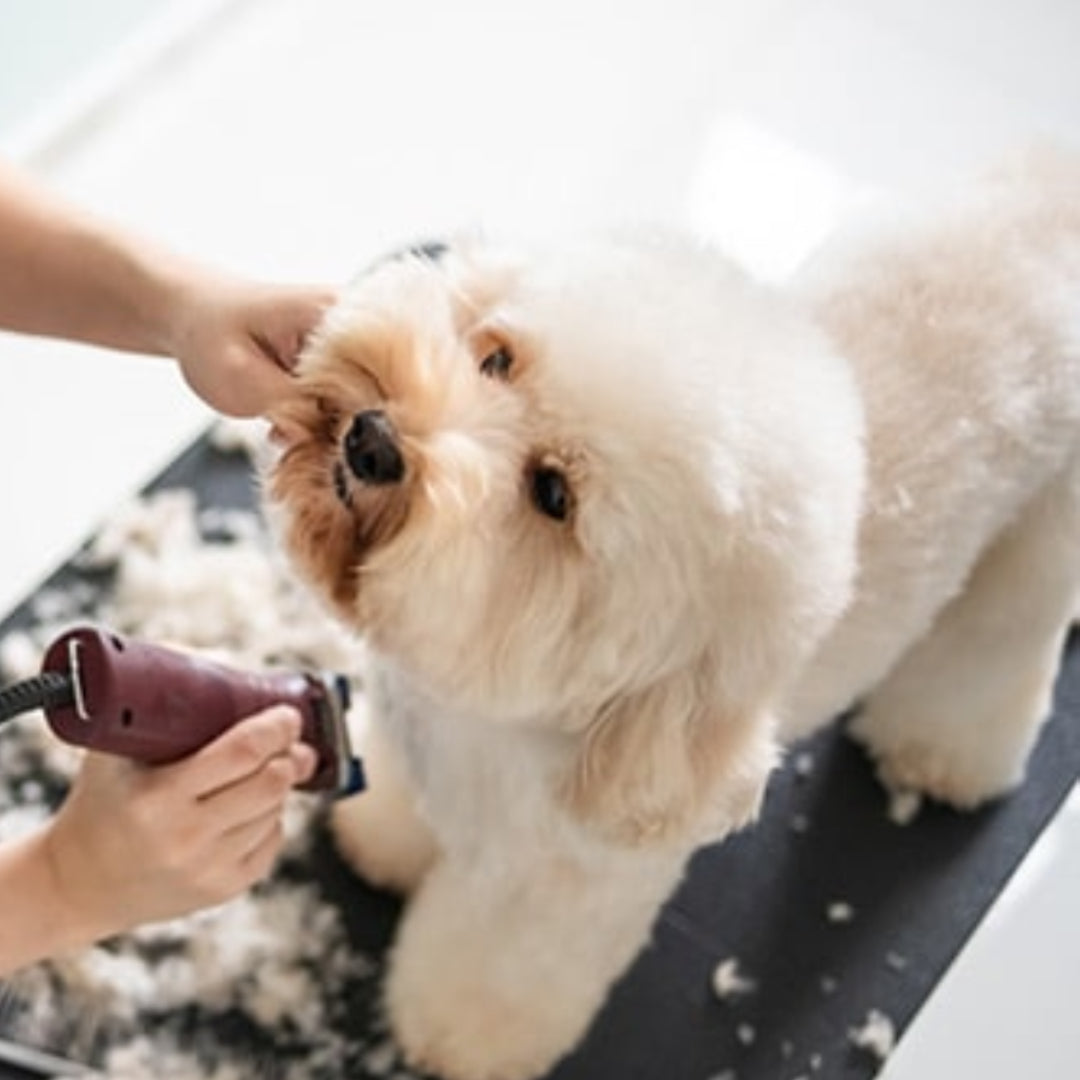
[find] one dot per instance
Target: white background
(299, 138)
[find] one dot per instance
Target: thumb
(248, 382)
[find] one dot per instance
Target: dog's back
(964, 335)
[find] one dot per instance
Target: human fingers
(231, 863)
(239, 844)
(261, 792)
(241, 376)
(260, 859)
(299, 311)
(242, 751)
(284, 318)
(247, 853)
(266, 381)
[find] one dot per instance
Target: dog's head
(609, 487)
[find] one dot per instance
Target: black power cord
(50, 689)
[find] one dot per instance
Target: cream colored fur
(777, 503)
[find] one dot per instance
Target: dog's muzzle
(371, 449)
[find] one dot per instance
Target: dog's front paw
(456, 1028)
(501, 965)
(383, 840)
(380, 832)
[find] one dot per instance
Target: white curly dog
(616, 523)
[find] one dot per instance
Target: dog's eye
(497, 363)
(551, 493)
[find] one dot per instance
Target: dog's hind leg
(957, 717)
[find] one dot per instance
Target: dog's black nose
(371, 449)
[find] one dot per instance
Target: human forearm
(38, 921)
(64, 273)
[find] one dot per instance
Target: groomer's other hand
(135, 843)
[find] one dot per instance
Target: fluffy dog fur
(652, 521)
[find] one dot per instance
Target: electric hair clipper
(116, 694)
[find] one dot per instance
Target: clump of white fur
(876, 1035)
(729, 982)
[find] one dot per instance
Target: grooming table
(827, 905)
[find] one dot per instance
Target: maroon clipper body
(157, 705)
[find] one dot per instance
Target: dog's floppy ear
(670, 762)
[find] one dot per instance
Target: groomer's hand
(134, 843)
(237, 341)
